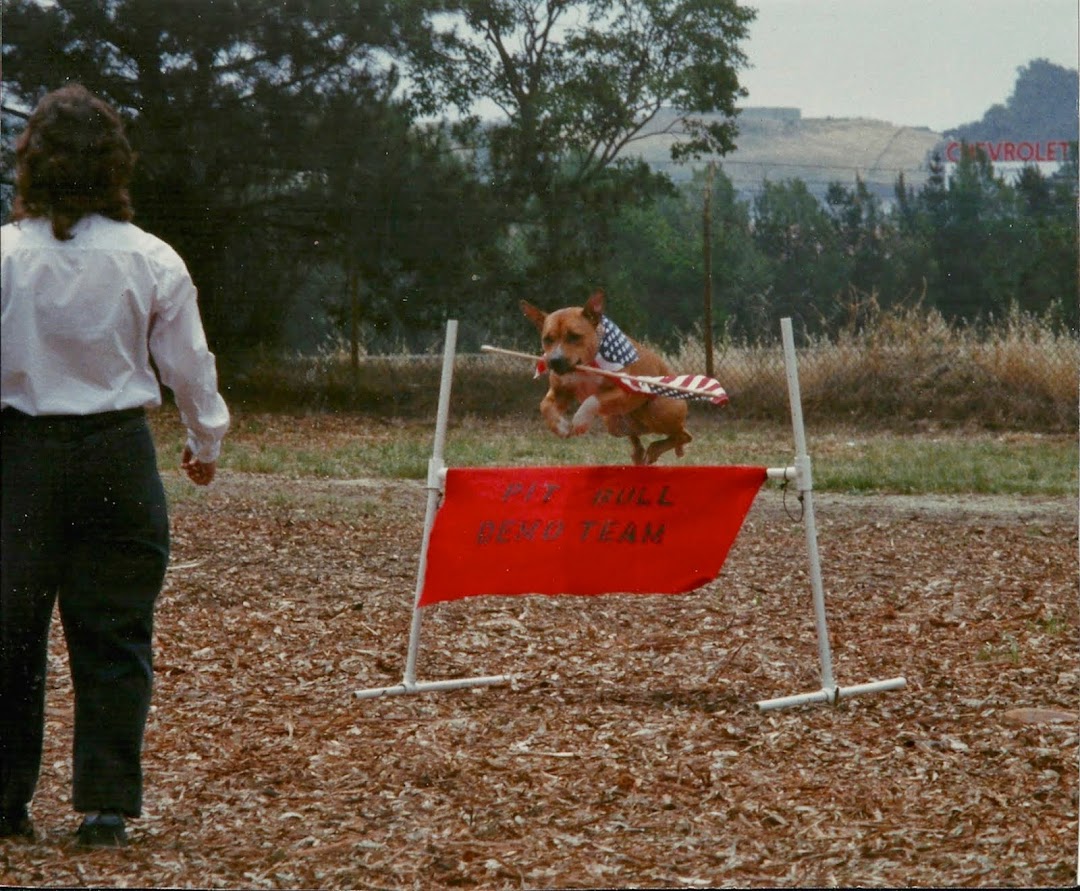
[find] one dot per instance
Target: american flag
(616, 351)
(695, 387)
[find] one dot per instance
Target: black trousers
(84, 523)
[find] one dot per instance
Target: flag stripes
(696, 387)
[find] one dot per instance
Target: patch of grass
(844, 459)
(282, 501)
(264, 459)
(1007, 651)
(178, 490)
(405, 459)
(975, 464)
(1051, 624)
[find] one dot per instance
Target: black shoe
(16, 824)
(102, 831)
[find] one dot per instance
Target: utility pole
(706, 228)
(352, 285)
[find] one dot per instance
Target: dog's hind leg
(623, 425)
(675, 441)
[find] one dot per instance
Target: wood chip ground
(628, 752)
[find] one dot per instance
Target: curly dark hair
(73, 159)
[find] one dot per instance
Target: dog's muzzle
(560, 364)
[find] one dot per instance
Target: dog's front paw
(584, 416)
(563, 427)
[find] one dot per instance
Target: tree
(1046, 258)
(862, 232)
(219, 98)
(973, 240)
(416, 231)
(653, 276)
(988, 246)
(808, 267)
(576, 83)
(886, 255)
(1042, 107)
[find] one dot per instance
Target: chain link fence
(915, 372)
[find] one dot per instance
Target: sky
(932, 63)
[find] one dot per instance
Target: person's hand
(201, 473)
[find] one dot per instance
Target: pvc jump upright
(802, 476)
(436, 480)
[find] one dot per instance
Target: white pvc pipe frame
(800, 473)
(436, 480)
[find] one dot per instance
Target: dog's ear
(534, 314)
(594, 306)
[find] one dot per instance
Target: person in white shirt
(89, 300)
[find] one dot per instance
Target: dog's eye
(548, 340)
(573, 338)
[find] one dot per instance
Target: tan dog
(571, 338)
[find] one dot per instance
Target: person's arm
(187, 367)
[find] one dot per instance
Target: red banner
(585, 530)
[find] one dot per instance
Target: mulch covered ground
(629, 751)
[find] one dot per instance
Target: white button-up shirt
(80, 320)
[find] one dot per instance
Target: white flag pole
(603, 372)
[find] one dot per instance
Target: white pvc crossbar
(432, 686)
(799, 473)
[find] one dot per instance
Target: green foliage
(845, 460)
(655, 272)
(217, 97)
(401, 212)
(1042, 107)
(576, 83)
(270, 144)
(990, 245)
(973, 246)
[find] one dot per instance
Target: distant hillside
(779, 144)
(1043, 107)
